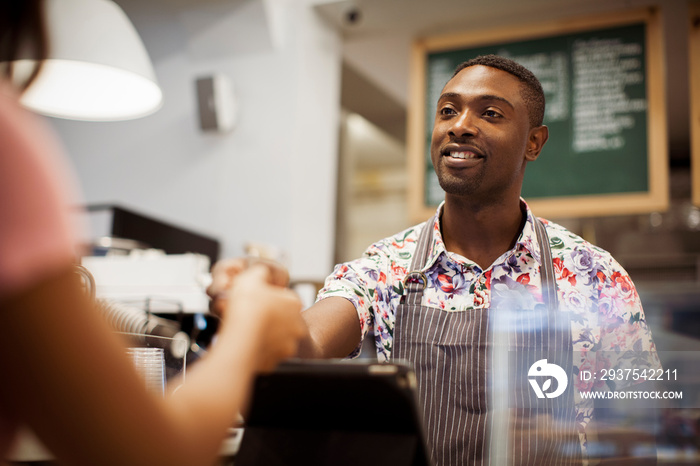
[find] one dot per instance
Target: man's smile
(461, 156)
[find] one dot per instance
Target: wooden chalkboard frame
(694, 60)
(656, 198)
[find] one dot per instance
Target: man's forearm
(333, 329)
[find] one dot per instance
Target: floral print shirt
(607, 315)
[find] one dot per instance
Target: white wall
(273, 178)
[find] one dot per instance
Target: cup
(150, 365)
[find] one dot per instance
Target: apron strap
(415, 281)
(549, 283)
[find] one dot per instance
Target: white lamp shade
(98, 68)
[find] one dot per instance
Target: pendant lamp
(98, 68)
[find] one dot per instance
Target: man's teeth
(463, 155)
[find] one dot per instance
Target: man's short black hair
(532, 92)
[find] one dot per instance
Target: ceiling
(419, 17)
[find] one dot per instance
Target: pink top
(37, 228)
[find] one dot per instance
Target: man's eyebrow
(453, 95)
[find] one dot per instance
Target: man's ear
(536, 139)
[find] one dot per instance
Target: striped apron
(470, 416)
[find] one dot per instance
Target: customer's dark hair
(532, 92)
(22, 35)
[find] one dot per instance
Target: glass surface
(161, 361)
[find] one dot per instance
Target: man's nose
(464, 125)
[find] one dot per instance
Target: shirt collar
(527, 239)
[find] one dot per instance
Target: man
(442, 293)
(483, 250)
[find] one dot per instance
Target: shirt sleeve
(361, 282)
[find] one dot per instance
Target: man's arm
(333, 329)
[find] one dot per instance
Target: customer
(64, 372)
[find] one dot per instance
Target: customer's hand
(224, 274)
(266, 315)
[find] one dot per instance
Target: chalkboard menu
(603, 84)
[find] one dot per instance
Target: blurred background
(311, 165)
(314, 166)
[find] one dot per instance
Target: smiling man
(433, 295)
(444, 294)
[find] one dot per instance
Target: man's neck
(481, 233)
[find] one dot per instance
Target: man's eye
(447, 111)
(492, 114)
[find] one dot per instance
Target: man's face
(480, 138)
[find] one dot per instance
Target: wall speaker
(216, 103)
